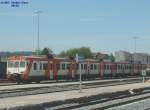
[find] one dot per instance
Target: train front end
(16, 66)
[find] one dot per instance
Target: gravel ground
(40, 99)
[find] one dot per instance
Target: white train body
(32, 68)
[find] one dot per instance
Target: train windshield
(10, 64)
(22, 64)
(16, 64)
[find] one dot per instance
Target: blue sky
(102, 25)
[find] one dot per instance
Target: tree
(46, 51)
(83, 51)
(112, 58)
(62, 54)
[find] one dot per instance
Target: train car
(31, 68)
(37, 68)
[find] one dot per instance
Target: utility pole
(135, 39)
(38, 30)
(80, 73)
(135, 48)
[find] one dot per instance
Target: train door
(102, 69)
(88, 69)
(51, 71)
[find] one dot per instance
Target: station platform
(30, 100)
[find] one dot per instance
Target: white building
(141, 58)
(136, 57)
(123, 56)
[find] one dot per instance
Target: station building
(121, 56)
(142, 58)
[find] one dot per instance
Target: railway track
(4, 93)
(5, 82)
(100, 102)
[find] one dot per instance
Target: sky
(103, 25)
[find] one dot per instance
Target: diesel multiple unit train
(34, 68)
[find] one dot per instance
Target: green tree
(83, 51)
(112, 58)
(62, 54)
(37, 51)
(46, 51)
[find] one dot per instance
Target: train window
(58, 66)
(82, 67)
(10, 64)
(35, 66)
(45, 66)
(111, 67)
(129, 67)
(40, 66)
(51, 66)
(22, 64)
(91, 66)
(77, 66)
(16, 65)
(85, 66)
(68, 66)
(95, 66)
(118, 67)
(121, 67)
(104, 67)
(107, 67)
(27, 63)
(132, 67)
(63, 66)
(125, 67)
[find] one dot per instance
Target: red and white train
(33, 68)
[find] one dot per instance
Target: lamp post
(38, 30)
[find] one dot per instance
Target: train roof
(43, 57)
